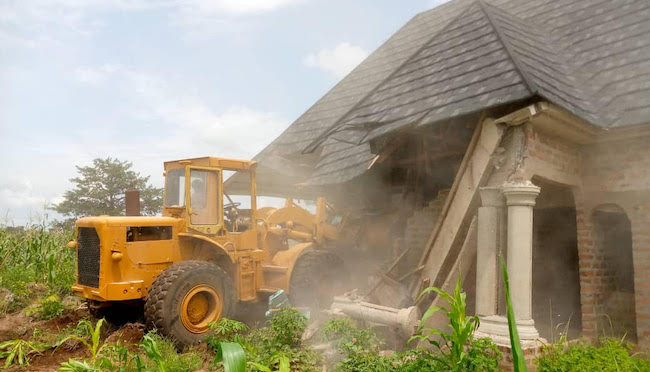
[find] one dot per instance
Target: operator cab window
(175, 190)
(204, 197)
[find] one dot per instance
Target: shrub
(608, 355)
(287, 326)
(351, 339)
(49, 308)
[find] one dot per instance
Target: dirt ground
(21, 326)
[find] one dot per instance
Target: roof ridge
(321, 138)
(532, 87)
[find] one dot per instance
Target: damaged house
(497, 126)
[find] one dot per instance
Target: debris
(405, 319)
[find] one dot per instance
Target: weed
(609, 356)
(48, 308)
(163, 356)
(19, 351)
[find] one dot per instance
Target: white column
(487, 251)
(520, 199)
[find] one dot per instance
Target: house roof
(590, 57)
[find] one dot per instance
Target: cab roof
(211, 161)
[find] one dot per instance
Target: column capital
(491, 197)
(521, 193)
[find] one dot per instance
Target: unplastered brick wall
(555, 153)
(619, 170)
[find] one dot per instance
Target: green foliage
(283, 362)
(518, 360)
(609, 356)
(117, 358)
(366, 362)
(232, 356)
(163, 357)
(457, 351)
(287, 326)
(99, 189)
(227, 330)
(269, 347)
(74, 365)
(32, 261)
(20, 351)
(48, 308)
(351, 339)
(92, 341)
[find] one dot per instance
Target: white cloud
(185, 122)
(94, 75)
(232, 6)
(337, 61)
(35, 22)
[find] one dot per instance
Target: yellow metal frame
(208, 229)
(258, 259)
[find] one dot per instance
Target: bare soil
(21, 326)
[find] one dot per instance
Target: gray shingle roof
(591, 57)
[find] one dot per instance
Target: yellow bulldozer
(205, 255)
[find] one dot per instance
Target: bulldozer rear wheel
(316, 278)
(186, 297)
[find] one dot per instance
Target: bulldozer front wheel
(317, 277)
(186, 297)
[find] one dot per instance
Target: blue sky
(156, 80)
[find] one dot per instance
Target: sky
(155, 80)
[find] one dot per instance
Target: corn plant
(117, 358)
(281, 360)
(452, 346)
(152, 349)
(20, 351)
(518, 359)
(74, 365)
(233, 357)
(92, 342)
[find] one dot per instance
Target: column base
(495, 327)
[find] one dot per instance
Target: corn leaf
(518, 359)
(233, 357)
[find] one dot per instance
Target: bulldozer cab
(194, 191)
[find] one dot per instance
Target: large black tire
(164, 303)
(317, 277)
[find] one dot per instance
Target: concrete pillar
(520, 199)
(487, 251)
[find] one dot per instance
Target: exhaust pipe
(132, 201)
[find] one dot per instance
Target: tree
(99, 189)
